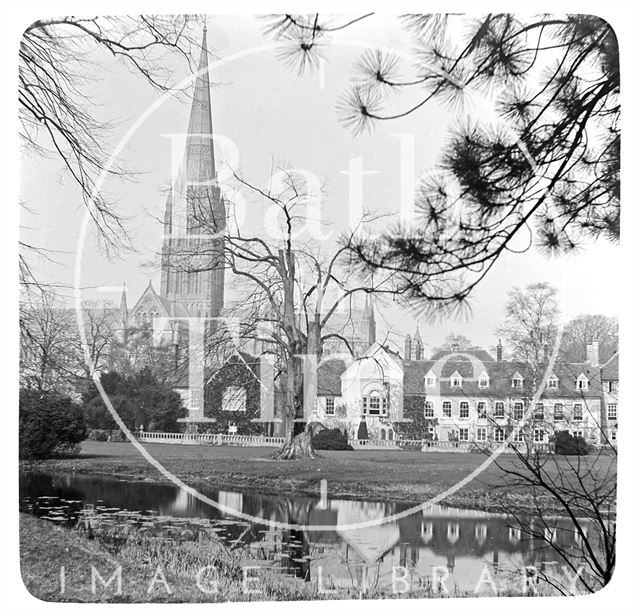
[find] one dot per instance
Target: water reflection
(461, 543)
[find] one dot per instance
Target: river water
(463, 548)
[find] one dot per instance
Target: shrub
(50, 425)
(139, 399)
(569, 445)
(332, 439)
(363, 433)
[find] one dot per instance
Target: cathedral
(192, 277)
(194, 222)
(446, 398)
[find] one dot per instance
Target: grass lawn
(144, 564)
(375, 475)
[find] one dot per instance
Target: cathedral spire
(199, 160)
(195, 215)
(124, 310)
(419, 346)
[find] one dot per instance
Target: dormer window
(431, 379)
(552, 382)
(483, 381)
(582, 382)
(456, 379)
(517, 382)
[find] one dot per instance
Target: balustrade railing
(248, 440)
(186, 438)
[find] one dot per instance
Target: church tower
(192, 265)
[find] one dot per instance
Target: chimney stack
(499, 350)
(455, 345)
(593, 353)
(407, 348)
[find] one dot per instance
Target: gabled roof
(149, 292)
(377, 363)
(610, 369)
(500, 375)
(210, 373)
(329, 372)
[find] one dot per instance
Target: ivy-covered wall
(414, 410)
(235, 373)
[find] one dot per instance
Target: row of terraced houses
(453, 396)
(470, 396)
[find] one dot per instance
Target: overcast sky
(270, 113)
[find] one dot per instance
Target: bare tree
(531, 322)
(58, 59)
(569, 507)
(549, 171)
(293, 291)
(141, 350)
(571, 496)
(47, 358)
(585, 329)
(100, 321)
(451, 340)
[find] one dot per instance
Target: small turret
(418, 346)
(407, 347)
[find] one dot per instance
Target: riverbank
(365, 475)
(64, 565)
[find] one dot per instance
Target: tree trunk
(299, 446)
(297, 391)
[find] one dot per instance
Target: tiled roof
(210, 373)
(500, 376)
(414, 373)
(329, 372)
(610, 369)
